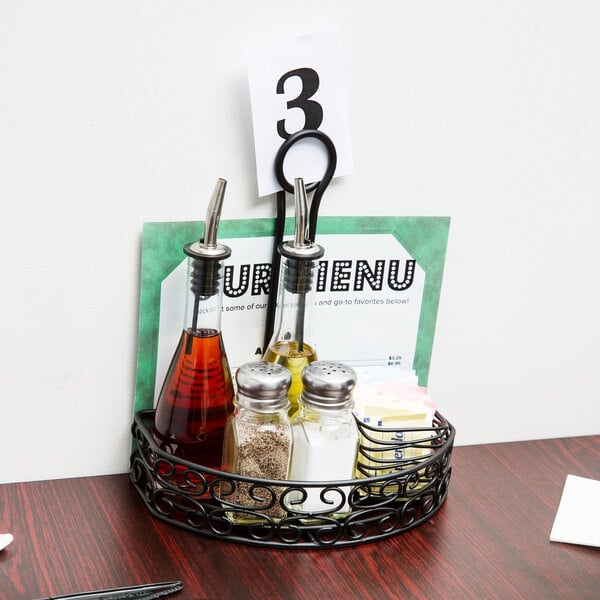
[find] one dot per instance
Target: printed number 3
(313, 112)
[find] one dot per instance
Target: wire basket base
(404, 484)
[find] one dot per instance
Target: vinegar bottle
(197, 393)
(289, 346)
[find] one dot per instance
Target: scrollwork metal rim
(381, 506)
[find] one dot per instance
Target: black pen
(134, 592)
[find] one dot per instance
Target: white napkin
(578, 518)
(5, 540)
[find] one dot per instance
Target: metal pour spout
(301, 248)
(208, 247)
(301, 236)
(213, 214)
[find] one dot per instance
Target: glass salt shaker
(325, 437)
(258, 441)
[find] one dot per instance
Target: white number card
(295, 85)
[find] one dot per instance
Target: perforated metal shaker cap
(263, 385)
(328, 384)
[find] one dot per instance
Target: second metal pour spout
(301, 235)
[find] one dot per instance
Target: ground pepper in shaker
(258, 441)
(325, 437)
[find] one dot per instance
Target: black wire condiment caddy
(401, 479)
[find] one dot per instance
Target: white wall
(113, 113)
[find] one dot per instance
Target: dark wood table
(489, 540)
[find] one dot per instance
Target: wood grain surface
(489, 540)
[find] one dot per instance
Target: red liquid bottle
(197, 393)
(195, 400)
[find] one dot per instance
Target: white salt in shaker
(325, 436)
(258, 440)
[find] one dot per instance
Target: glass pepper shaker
(325, 436)
(258, 440)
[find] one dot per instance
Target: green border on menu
(425, 238)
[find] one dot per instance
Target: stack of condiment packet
(390, 400)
